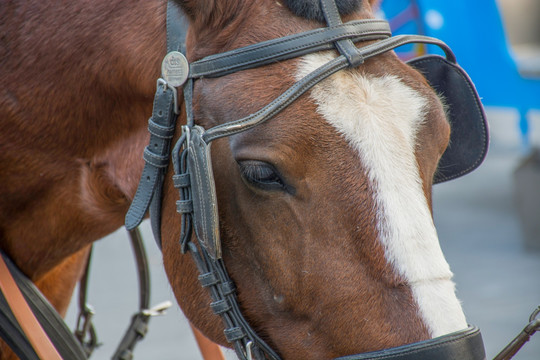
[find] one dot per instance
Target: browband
(288, 47)
(312, 79)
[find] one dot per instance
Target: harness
(193, 175)
(34, 330)
(198, 204)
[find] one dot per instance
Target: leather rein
(194, 177)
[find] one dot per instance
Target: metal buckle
(85, 331)
(157, 310)
(166, 85)
(187, 131)
(249, 354)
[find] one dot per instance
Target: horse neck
(77, 86)
(82, 73)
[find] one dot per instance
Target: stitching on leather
(333, 13)
(145, 192)
(388, 44)
(367, 52)
(295, 89)
(201, 203)
(159, 157)
(212, 188)
(432, 346)
(226, 67)
(295, 37)
(163, 132)
(155, 165)
(197, 175)
(144, 195)
(168, 21)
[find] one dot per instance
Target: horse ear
(375, 4)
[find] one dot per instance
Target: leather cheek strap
(205, 213)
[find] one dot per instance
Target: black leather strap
(462, 345)
(85, 331)
(176, 27)
(280, 103)
(312, 79)
(346, 47)
(161, 127)
(288, 47)
(139, 322)
(399, 40)
(204, 203)
(155, 157)
(12, 334)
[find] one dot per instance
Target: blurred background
(488, 221)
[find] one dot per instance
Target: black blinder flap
(469, 137)
(205, 216)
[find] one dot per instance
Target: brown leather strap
(209, 350)
(41, 343)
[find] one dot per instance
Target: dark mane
(311, 9)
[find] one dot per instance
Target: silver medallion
(175, 68)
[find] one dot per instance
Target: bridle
(194, 176)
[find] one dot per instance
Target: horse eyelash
(253, 172)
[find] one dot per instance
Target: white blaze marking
(380, 118)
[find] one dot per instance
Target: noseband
(193, 167)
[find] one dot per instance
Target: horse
(324, 211)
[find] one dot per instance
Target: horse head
(325, 212)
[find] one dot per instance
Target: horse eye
(261, 175)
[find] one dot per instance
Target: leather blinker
(469, 137)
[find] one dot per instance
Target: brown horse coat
(77, 86)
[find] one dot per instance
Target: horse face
(325, 210)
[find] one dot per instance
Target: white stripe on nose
(380, 118)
